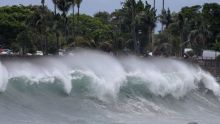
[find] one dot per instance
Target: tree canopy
(30, 28)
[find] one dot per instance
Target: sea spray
(3, 78)
(168, 76)
(109, 74)
(102, 88)
(40, 71)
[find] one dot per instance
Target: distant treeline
(26, 29)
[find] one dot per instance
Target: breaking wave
(125, 84)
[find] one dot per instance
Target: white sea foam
(108, 74)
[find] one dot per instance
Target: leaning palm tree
(78, 4)
(64, 6)
(55, 6)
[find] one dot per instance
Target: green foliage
(196, 27)
(103, 16)
(83, 42)
(24, 42)
(211, 18)
(12, 21)
(31, 28)
(92, 28)
(135, 22)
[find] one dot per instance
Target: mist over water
(91, 87)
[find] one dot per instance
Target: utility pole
(153, 38)
(163, 12)
(154, 4)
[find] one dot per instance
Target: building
(210, 54)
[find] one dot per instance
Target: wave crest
(103, 75)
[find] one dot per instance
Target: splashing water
(3, 78)
(106, 86)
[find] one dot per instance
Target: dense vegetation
(26, 29)
(196, 27)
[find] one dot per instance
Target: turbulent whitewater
(90, 87)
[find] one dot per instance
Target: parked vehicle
(29, 54)
(6, 52)
(39, 53)
(1, 50)
(61, 52)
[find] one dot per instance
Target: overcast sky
(92, 6)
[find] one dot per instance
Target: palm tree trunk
(66, 21)
(133, 28)
(78, 11)
(43, 7)
(57, 42)
(46, 45)
(163, 9)
(23, 47)
(150, 33)
(78, 14)
(181, 41)
(73, 23)
(153, 41)
(55, 9)
(163, 5)
(73, 10)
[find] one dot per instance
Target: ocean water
(90, 87)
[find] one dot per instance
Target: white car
(61, 52)
(6, 52)
(28, 54)
(39, 53)
(3, 53)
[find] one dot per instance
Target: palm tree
(143, 23)
(64, 6)
(43, 26)
(184, 27)
(73, 2)
(78, 4)
(132, 4)
(43, 3)
(199, 38)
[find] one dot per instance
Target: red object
(1, 50)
